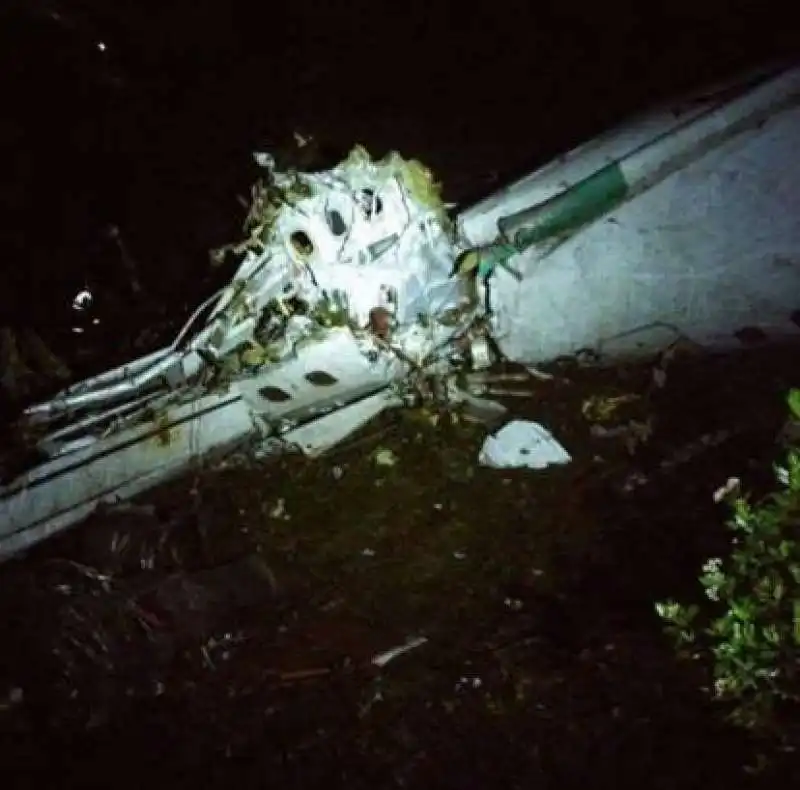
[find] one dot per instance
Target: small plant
(749, 632)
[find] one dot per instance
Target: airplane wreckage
(357, 291)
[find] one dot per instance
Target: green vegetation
(749, 632)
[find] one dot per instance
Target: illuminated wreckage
(357, 292)
(345, 304)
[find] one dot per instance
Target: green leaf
(793, 469)
(669, 610)
(742, 610)
(771, 635)
(794, 403)
(719, 627)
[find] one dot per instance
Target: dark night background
(153, 133)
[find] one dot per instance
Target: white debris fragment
(385, 457)
(729, 487)
(301, 141)
(279, 509)
(264, 159)
(82, 300)
(522, 444)
(382, 659)
(468, 682)
(539, 374)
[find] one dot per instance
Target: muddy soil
(227, 628)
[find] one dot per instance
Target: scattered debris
(685, 454)
(299, 675)
(384, 457)
(382, 659)
(731, 486)
(537, 373)
(278, 510)
(462, 561)
(468, 682)
(521, 443)
(598, 408)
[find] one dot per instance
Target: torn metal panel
(343, 305)
(686, 235)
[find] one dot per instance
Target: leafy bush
(749, 631)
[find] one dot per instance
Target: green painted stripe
(584, 202)
(497, 255)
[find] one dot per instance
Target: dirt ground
(226, 629)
